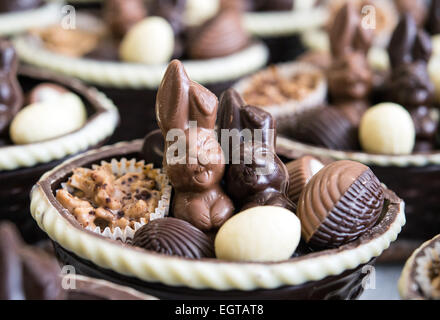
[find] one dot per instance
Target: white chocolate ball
(198, 11)
(435, 45)
(48, 119)
(387, 128)
(260, 234)
(150, 41)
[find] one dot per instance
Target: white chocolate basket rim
(17, 22)
(132, 75)
(288, 147)
(284, 23)
(407, 288)
(203, 274)
(97, 129)
(292, 106)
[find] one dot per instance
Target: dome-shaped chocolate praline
(174, 237)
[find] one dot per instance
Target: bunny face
(201, 167)
(350, 78)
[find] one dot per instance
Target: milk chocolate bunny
(11, 95)
(349, 76)
(255, 175)
(195, 175)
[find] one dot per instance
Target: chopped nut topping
(271, 88)
(102, 199)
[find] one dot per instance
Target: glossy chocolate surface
(11, 94)
(243, 183)
(174, 237)
(121, 15)
(410, 50)
(182, 103)
(7, 6)
(326, 127)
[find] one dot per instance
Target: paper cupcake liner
(122, 167)
(284, 112)
(422, 275)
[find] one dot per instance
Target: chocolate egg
(150, 41)
(174, 237)
(387, 128)
(341, 202)
(259, 234)
(325, 127)
(300, 173)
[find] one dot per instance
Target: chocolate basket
(330, 274)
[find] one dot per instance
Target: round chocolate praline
(174, 237)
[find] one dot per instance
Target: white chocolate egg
(150, 41)
(387, 128)
(198, 11)
(260, 234)
(48, 119)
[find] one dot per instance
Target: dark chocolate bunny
(349, 76)
(410, 85)
(197, 172)
(255, 175)
(11, 95)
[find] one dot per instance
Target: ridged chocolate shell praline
(340, 203)
(174, 237)
(325, 127)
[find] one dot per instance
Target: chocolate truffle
(300, 173)
(219, 36)
(387, 128)
(45, 92)
(259, 234)
(325, 127)
(174, 237)
(340, 203)
(11, 94)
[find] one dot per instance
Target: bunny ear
(8, 57)
(402, 42)
(344, 29)
(229, 110)
(363, 39)
(173, 99)
(422, 49)
(203, 106)
(255, 118)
